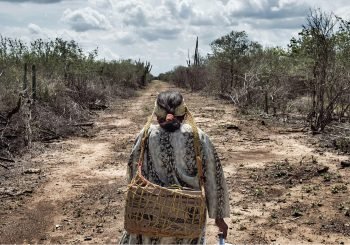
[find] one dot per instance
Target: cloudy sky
(160, 31)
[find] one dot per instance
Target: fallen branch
(14, 110)
(77, 185)
(14, 194)
(87, 124)
(339, 136)
(297, 130)
(345, 164)
(4, 166)
(10, 136)
(262, 139)
(55, 137)
(32, 171)
(47, 131)
(6, 159)
(3, 117)
(84, 129)
(97, 107)
(334, 126)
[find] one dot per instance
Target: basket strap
(189, 118)
(144, 138)
(197, 148)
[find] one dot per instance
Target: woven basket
(153, 210)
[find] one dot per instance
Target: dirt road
(282, 189)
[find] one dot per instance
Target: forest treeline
(48, 88)
(310, 77)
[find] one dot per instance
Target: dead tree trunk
(25, 81)
(34, 86)
(266, 102)
(27, 113)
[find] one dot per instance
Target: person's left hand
(223, 227)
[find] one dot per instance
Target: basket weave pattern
(153, 210)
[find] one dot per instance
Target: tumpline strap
(189, 118)
(144, 138)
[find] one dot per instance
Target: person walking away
(170, 160)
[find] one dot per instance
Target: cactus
(196, 55)
(148, 67)
(188, 61)
(145, 69)
(196, 59)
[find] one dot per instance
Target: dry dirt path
(280, 188)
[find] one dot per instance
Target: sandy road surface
(282, 189)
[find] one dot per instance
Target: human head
(170, 110)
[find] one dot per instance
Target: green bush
(69, 82)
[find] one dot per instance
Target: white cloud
(179, 8)
(184, 9)
(86, 19)
(181, 53)
(34, 29)
(109, 54)
(201, 18)
(32, 1)
(126, 38)
(264, 9)
(101, 4)
(136, 16)
(158, 31)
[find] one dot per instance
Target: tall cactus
(188, 61)
(145, 69)
(195, 57)
(196, 54)
(148, 67)
(193, 70)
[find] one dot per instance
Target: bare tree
(319, 41)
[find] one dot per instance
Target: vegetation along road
(283, 189)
